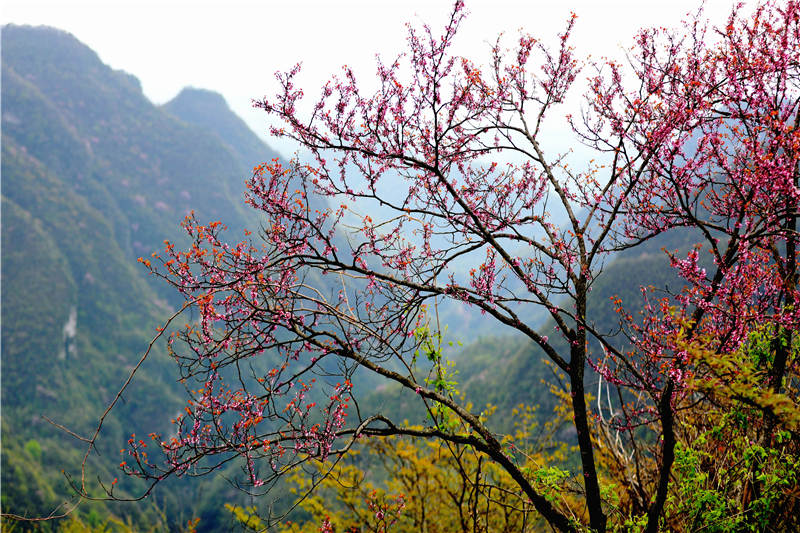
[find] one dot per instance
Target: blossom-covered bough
(440, 189)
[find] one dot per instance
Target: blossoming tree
(442, 166)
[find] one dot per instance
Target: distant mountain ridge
(209, 110)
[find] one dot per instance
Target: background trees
(441, 190)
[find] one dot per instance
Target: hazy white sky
(235, 46)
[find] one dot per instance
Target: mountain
(209, 111)
(94, 175)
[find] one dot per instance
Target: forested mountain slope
(95, 176)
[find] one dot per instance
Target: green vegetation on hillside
(94, 176)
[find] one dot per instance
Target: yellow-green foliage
(737, 462)
(742, 376)
(401, 484)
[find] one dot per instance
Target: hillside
(95, 176)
